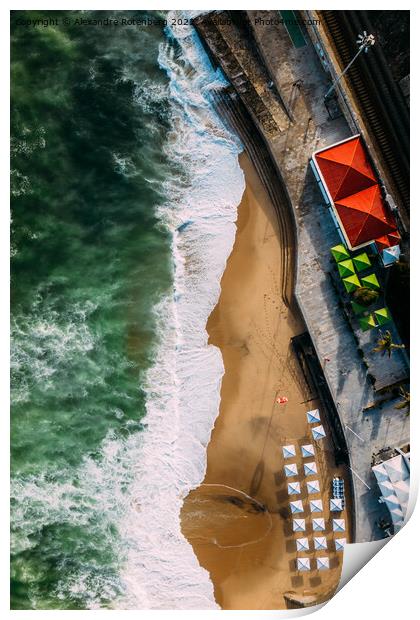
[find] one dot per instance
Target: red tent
(387, 241)
(354, 190)
(346, 168)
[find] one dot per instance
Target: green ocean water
(89, 261)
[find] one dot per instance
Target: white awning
(303, 564)
(315, 505)
(339, 525)
(320, 543)
(293, 488)
(299, 525)
(296, 506)
(310, 469)
(318, 432)
(393, 477)
(313, 486)
(322, 563)
(336, 504)
(302, 544)
(307, 450)
(289, 451)
(318, 525)
(339, 543)
(290, 470)
(313, 416)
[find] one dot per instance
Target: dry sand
(250, 552)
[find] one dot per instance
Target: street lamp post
(364, 41)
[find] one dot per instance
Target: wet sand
(238, 521)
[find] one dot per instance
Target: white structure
(307, 450)
(322, 563)
(293, 488)
(313, 416)
(290, 470)
(393, 477)
(339, 525)
(390, 255)
(299, 525)
(318, 525)
(313, 486)
(320, 543)
(315, 505)
(318, 432)
(302, 544)
(310, 469)
(303, 564)
(339, 543)
(289, 451)
(296, 506)
(336, 504)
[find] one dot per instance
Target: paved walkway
(301, 83)
(318, 300)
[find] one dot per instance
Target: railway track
(379, 98)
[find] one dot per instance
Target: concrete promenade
(301, 82)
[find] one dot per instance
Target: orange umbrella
(346, 168)
(364, 216)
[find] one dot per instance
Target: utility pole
(364, 41)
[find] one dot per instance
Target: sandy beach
(238, 521)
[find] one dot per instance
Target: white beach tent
(290, 470)
(393, 477)
(313, 486)
(299, 525)
(296, 506)
(322, 563)
(396, 515)
(315, 505)
(318, 432)
(318, 525)
(320, 543)
(395, 468)
(303, 564)
(339, 525)
(302, 544)
(289, 451)
(402, 489)
(310, 469)
(391, 255)
(307, 450)
(293, 488)
(313, 416)
(336, 504)
(339, 543)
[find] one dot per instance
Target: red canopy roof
(387, 241)
(353, 187)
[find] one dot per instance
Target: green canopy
(367, 322)
(340, 252)
(346, 268)
(383, 316)
(361, 261)
(351, 283)
(357, 308)
(371, 281)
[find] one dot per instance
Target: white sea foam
(183, 387)
(139, 484)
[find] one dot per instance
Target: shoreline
(250, 553)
